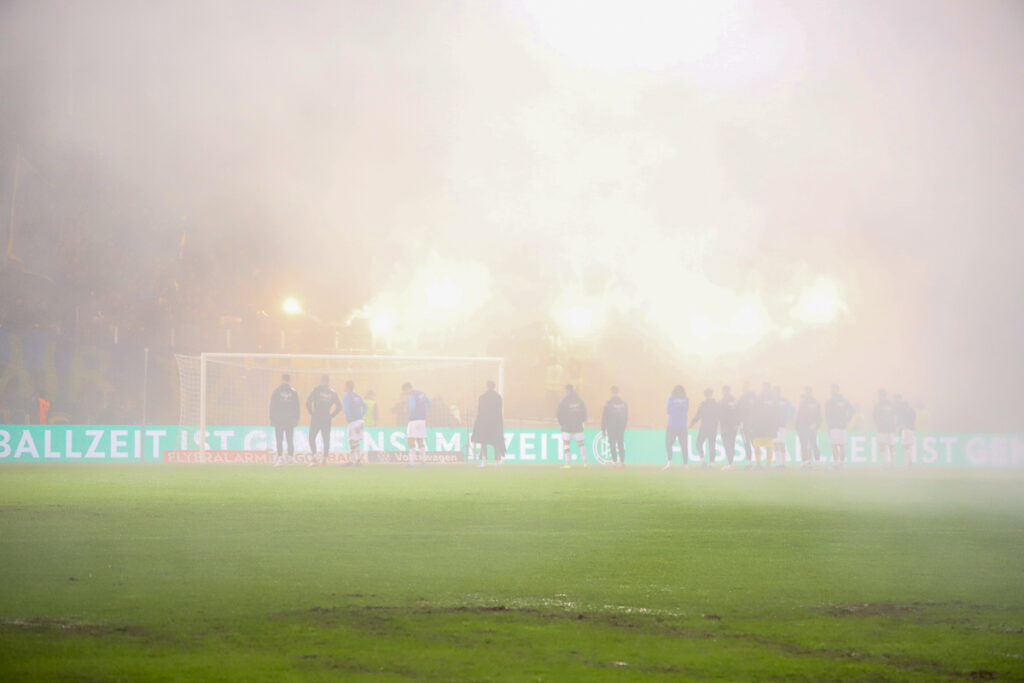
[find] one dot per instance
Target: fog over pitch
(797, 192)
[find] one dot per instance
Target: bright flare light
(291, 306)
(701, 326)
(820, 303)
(444, 294)
(580, 319)
(649, 34)
(746, 321)
(381, 323)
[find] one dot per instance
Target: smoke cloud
(803, 193)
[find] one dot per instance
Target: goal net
(233, 389)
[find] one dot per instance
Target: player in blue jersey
(677, 407)
(416, 431)
(284, 415)
(323, 404)
(572, 413)
(355, 408)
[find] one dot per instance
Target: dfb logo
(601, 449)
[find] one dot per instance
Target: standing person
(729, 422)
(707, 415)
(906, 416)
(355, 410)
(40, 411)
(371, 417)
(747, 408)
(808, 420)
(786, 413)
(323, 405)
(489, 425)
(677, 407)
(838, 412)
(284, 416)
(884, 415)
(613, 427)
(764, 425)
(572, 413)
(416, 431)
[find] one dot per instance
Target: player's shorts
(907, 438)
(887, 439)
(780, 436)
(572, 436)
(417, 429)
(355, 430)
(764, 442)
(837, 437)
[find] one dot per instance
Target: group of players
(760, 420)
(323, 405)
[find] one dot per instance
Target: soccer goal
(221, 389)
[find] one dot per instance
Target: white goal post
(220, 389)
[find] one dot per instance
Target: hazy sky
(821, 190)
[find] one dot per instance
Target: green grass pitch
(149, 572)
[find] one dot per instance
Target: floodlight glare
(291, 306)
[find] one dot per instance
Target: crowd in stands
(94, 288)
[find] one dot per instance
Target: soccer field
(156, 572)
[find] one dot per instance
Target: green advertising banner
(126, 443)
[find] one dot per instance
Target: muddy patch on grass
(895, 609)
(870, 609)
(42, 625)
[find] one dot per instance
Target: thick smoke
(804, 193)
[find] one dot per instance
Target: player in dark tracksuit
(786, 413)
(906, 416)
(613, 426)
(707, 415)
(764, 424)
(284, 415)
(747, 409)
(323, 404)
(677, 407)
(838, 412)
(572, 413)
(808, 420)
(886, 426)
(729, 423)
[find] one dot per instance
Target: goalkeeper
(323, 404)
